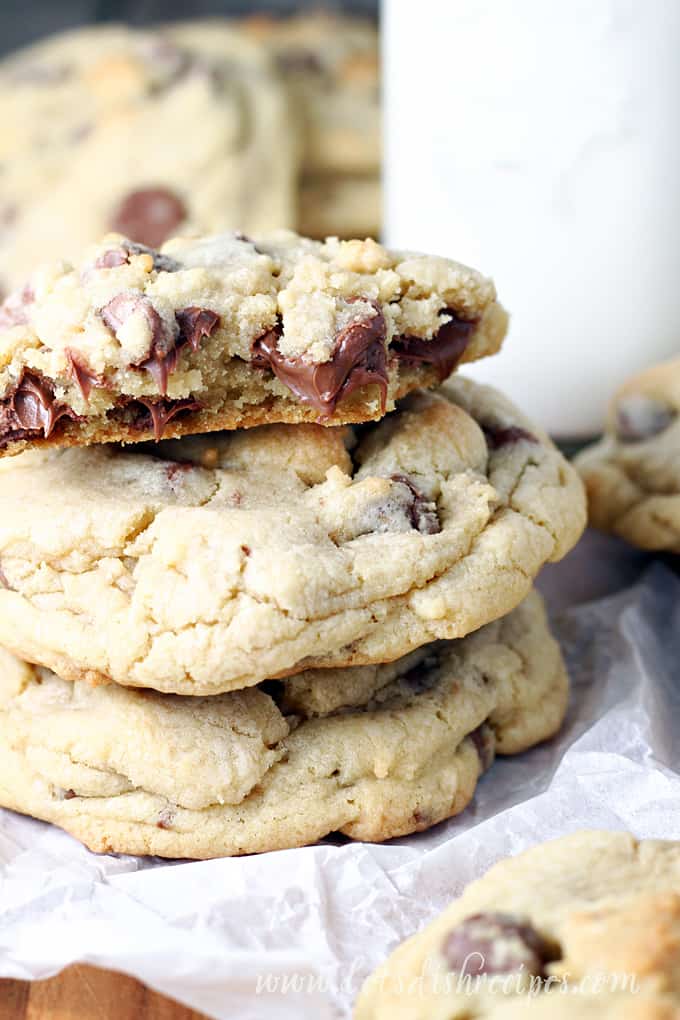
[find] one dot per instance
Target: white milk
(539, 142)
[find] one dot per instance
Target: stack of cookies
(193, 127)
(266, 571)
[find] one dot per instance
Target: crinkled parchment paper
(291, 935)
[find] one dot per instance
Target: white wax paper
(291, 935)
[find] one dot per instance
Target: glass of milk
(539, 141)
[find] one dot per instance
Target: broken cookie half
(227, 332)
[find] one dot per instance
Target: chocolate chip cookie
(226, 332)
(208, 564)
(633, 474)
(586, 926)
(182, 129)
(372, 752)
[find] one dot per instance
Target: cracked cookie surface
(632, 475)
(582, 927)
(151, 132)
(227, 332)
(206, 564)
(373, 752)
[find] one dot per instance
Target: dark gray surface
(21, 23)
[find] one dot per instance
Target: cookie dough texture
(599, 912)
(133, 343)
(632, 475)
(181, 129)
(372, 752)
(259, 553)
(332, 67)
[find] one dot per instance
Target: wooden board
(87, 993)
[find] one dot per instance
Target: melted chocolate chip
(69, 794)
(495, 943)
(443, 351)
(149, 216)
(639, 417)
(423, 512)
(162, 357)
(505, 435)
(358, 360)
(119, 309)
(485, 745)
(146, 414)
(82, 373)
(194, 324)
(29, 411)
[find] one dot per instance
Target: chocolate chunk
(358, 359)
(485, 744)
(82, 373)
(505, 435)
(423, 512)
(443, 351)
(640, 417)
(495, 943)
(149, 216)
(30, 410)
(194, 324)
(69, 794)
(157, 413)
